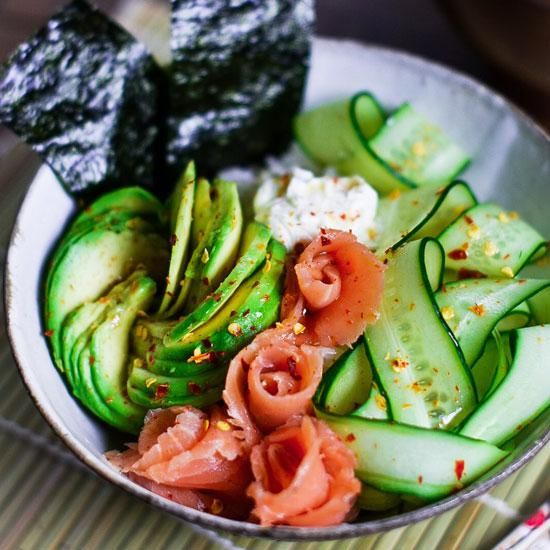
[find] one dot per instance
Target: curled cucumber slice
(416, 360)
(401, 152)
(521, 396)
(418, 213)
(474, 307)
(407, 460)
(487, 241)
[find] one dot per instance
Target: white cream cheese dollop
(297, 205)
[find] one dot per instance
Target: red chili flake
(194, 388)
(468, 220)
(470, 274)
(325, 241)
(459, 469)
(48, 333)
(343, 216)
(232, 313)
(385, 261)
(245, 312)
(92, 359)
(205, 281)
(458, 254)
(256, 283)
(161, 391)
(443, 287)
(217, 297)
(152, 348)
(350, 438)
(292, 364)
(265, 298)
(420, 480)
(173, 239)
(151, 359)
(253, 328)
(312, 214)
(323, 231)
(207, 343)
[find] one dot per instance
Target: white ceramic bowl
(511, 164)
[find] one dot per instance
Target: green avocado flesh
(192, 370)
(119, 357)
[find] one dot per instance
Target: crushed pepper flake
(448, 313)
(234, 329)
(399, 365)
(205, 256)
(503, 217)
(478, 309)
(381, 403)
(149, 382)
(490, 248)
(298, 328)
(223, 426)
(394, 195)
(507, 270)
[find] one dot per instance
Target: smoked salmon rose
(270, 380)
(304, 476)
(189, 456)
(338, 287)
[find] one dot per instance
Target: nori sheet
(238, 74)
(84, 93)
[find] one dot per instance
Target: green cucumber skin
(374, 500)
(516, 242)
(331, 127)
(181, 220)
(245, 266)
(419, 213)
(523, 394)
(371, 408)
(409, 460)
(441, 393)
(493, 298)
(351, 374)
(409, 124)
(357, 151)
(491, 368)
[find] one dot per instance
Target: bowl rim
(209, 521)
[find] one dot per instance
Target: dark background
(419, 26)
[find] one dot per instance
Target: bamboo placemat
(49, 500)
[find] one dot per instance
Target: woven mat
(49, 500)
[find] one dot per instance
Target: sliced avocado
(174, 387)
(253, 308)
(108, 348)
(202, 210)
(135, 199)
(214, 255)
(144, 399)
(253, 252)
(75, 324)
(181, 218)
(91, 264)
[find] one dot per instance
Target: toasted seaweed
(238, 73)
(83, 93)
